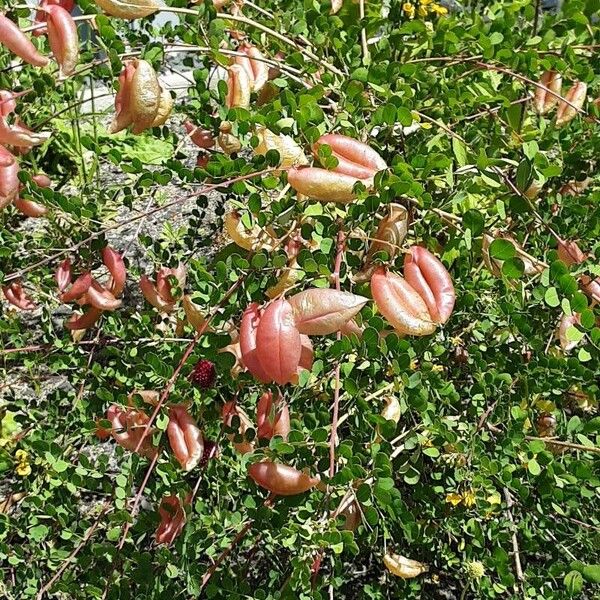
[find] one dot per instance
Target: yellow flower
(425, 2)
(468, 498)
(21, 455)
(422, 11)
(453, 499)
(23, 469)
(438, 9)
(409, 9)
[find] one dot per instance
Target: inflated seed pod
(9, 178)
(128, 426)
(260, 70)
(426, 274)
(278, 344)
(123, 115)
(290, 153)
(576, 96)
(230, 410)
(165, 107)
(248, 344)
(354, 158)
(570, 252)
(18, 43)
(255, 238)
(272, 418)
(17, 296)
(172, 520)
(281, 480)
(566, 323)
(128, 9)
(238, 87)
(203, 138)
(400, 304)
(321, 311)
(145, 96)
(545, 101)
(324, 185)
(185, 437)
(403, 567)
(63, 38)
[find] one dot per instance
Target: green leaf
(573, 583)
(460, 151)
(502, 249)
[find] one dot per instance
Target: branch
(515, 541)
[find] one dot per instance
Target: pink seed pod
(272, 418)
(84, 321)
(321, 311)
(41, 15)
(9, 178)
(128, 426)
(30, 208)
(278, 344)
(400, 304)
(203, 138)
(101, 298)
(42, 180)
(576, 96)
(354, 158)
(544, 101)
(172, 520)
(160, 294)
(254, 64)
(591, 287)
(566, 322)
(63, 38)
(324, 185)
(17, 296)
(281, 480)
(8, 103)
(185, 437)
(18, 43)
(63, 275)
(248, 328)
(570, 253)
(113, 261)
(426, 274)
(238, 88)
(123, 108)
(80, 286)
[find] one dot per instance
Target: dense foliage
(462, 478)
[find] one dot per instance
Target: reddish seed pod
(9, 178)
(172, 520)
(18, 297)
(324, 185)
(30, 208)
(566, 323)
(185, 437)
(570, 253)
(280, 479)
(400, 304)
(354, 158)
(18, 43)
(576, 96)
(248, 328)
(80, 286)
(100, 297)
(238, 88)
(591, 287)
(41, 15)
(544, 101)
(113, 261)
(278, 344)
(321, 311)
(203, 138)
(272, 418)
(425, 273)
(128, 426)
(63, 275)
(63, 38)
(84, 321)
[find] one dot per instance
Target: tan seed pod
(238, 87)
(544, 101)
(576, 96)
(165, 106)
(145, 96)
(128, 9)
(391, 411)
(290, 153)
(404, 567)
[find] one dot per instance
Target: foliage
(463, 480)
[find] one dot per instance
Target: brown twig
(515, 542)
(341, 243)
(549, 440)
(76, 550)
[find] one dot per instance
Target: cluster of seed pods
(62, 37)
(547, 97)
(571, 254)
(274, 340)
(421, 300)
(85, 290)
(272, 419)
(160, 293)
(356, 162)
(247, 74)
